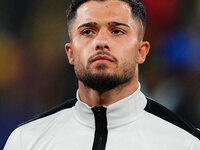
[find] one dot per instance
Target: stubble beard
(102, 81)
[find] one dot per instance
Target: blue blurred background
(35, 74)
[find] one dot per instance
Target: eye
(117, 31)
(87, 32)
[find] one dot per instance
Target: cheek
(129, 53)
(127, 61)
(80, 55)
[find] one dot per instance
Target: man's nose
(102, 42)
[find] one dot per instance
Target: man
(106, 46)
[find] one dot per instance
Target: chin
(103, 73)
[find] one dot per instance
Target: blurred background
(35, 74)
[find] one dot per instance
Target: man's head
(106, 43)
(137, 9)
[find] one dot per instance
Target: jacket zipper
(101, 131)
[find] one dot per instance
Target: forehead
(104, 11)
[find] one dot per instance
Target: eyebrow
(113, 23)
(89, 24)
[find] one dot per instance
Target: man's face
(105, 43)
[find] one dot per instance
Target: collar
(119, 113)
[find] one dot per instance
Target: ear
(68, 49)
(142, 52)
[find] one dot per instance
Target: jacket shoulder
(165, 114)
(67, 104)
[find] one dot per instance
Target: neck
(95, 98)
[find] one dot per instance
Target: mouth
(102, 59)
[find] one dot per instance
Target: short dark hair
(138, 10)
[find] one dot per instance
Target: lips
(102, 58)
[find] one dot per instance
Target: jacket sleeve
(14, 142)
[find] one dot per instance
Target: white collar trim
(119, 113)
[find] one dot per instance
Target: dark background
(35, 74)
